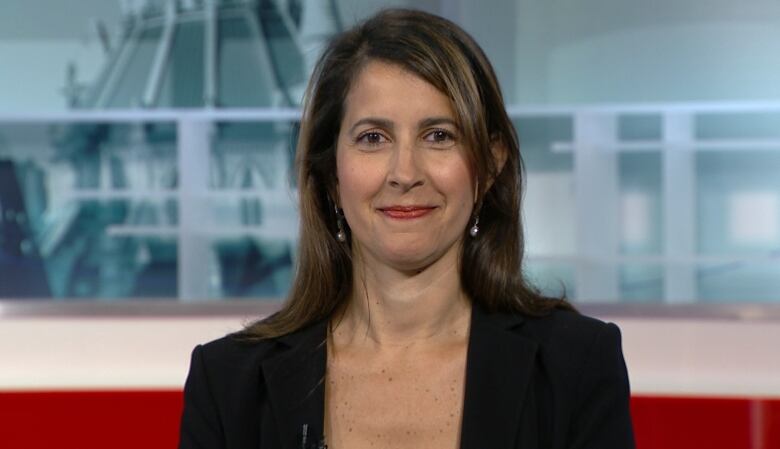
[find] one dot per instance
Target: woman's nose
(405, 171)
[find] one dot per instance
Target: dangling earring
(341, 236)
(475, 229)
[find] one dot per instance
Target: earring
(475, 229)
(341, 236)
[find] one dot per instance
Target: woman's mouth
(406, 212)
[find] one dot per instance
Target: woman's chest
(395, 404)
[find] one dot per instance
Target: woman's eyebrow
(433, 121)
(373, 121)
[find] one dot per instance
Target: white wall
(38, 38)
(692, 357)
(632, 51)
(35, 71)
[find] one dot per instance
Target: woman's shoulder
(234, 350)
(244, 348)
(568, 339)
(565, 325)
(559, 334)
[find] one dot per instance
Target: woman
(409, 324)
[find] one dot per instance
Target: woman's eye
(440, 137)
(371, 138)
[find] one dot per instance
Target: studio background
(146, 190)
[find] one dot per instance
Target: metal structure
(187, 208)
(210, 53)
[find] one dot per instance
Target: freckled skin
(420, 407)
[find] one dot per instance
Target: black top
(554, 382)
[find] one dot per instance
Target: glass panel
(183, 81)
(248, 267)
(641, 127)
(129, 90)
(252, 210)
(92, 211)
(286, 57)
(552, 278)
(739, 223)
(641, 283)
(640, 203)
(740, 281)
(88, 211)
(548, 202)
(641, 221)
(244, 73)
(744, 125)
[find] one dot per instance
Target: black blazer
(553, 382)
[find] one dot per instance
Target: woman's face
(404, 180)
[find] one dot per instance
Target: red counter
(150, 419)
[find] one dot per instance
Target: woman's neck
(394, 308)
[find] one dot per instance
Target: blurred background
(146, 152)
(146, 146)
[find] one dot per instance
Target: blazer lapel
(498, 370)
(295, 386)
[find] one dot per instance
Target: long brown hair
(445, 56)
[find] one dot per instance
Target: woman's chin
(410, 260)
(408, 255)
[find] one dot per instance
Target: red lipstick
(406, 212)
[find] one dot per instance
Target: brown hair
(441, 53)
